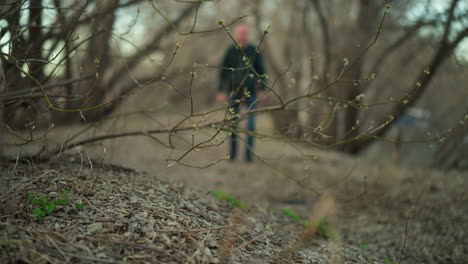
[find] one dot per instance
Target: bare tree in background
(91, 81)
(343, 31)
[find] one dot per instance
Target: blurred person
(241, 84)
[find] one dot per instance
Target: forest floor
(102, 213)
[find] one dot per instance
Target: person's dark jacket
(236, 77)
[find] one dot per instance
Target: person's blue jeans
(251, 104)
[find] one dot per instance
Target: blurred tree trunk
(13, 78)
(295, 50)
(12, 75)
(366, 26)
(326, 43)
(286, 120)
(33, 52)
(68, 60)
(97, 58)
(323, 73)
(282, 119)
(256, 10)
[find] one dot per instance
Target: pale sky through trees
(132, 23)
